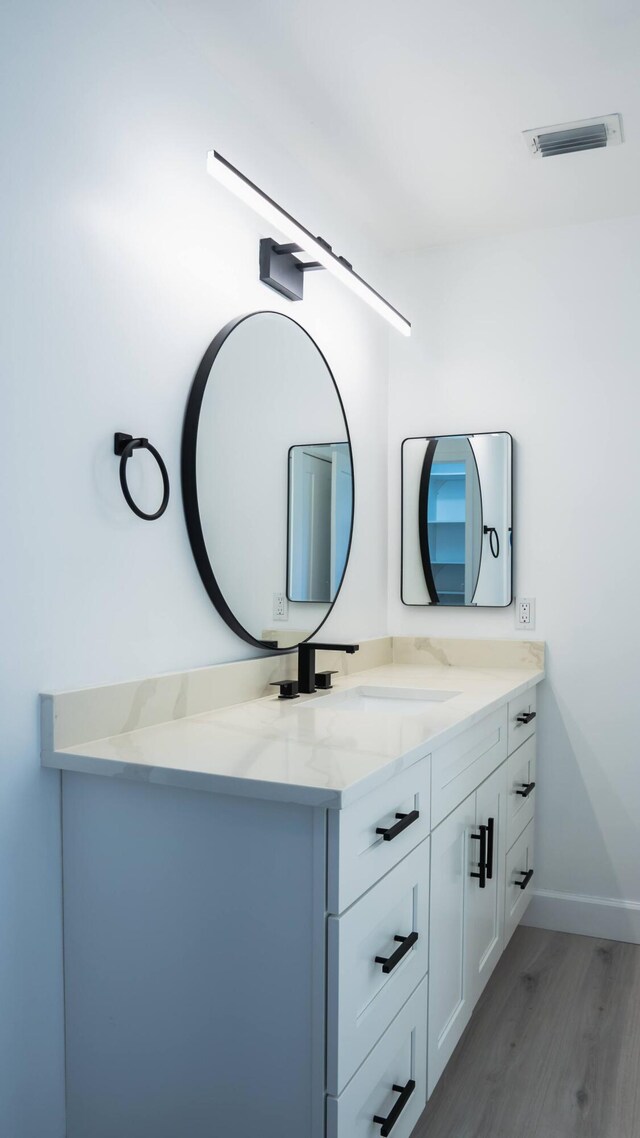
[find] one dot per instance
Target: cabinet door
(521, 778)
(519, 873)
(522, 719)
(450, 1004)
(358, 855)
(387, 1094)
(462, 764)
(484, 931)
(362, 998)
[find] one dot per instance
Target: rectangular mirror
(456, 520)
(320, 512)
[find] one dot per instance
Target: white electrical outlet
(526, 613)
(280, 606)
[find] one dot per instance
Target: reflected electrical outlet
(280, 606)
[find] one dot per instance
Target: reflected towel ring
(124, 446)
(492, 531)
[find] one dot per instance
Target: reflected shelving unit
(446, 513)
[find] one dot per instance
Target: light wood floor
(553, 1048)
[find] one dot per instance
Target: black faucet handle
(288, 688)
(323, 680)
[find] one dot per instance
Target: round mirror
(267, 480)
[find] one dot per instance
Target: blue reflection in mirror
(454, 521)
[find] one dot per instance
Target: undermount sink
(399, 701)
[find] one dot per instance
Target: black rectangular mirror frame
(428, 438)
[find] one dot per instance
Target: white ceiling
(413, 111)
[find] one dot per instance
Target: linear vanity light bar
(254, 197)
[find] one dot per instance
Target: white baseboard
(602, 917)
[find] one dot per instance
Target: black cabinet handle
(482, 859)
(527, 787)
(490, 833)
(526, 717)
(526, 879)
(391, 832)
(389, 1122)
(389, 962)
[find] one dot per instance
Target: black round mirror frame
(190, 482)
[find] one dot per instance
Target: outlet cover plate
(526, 613)
(280, 606)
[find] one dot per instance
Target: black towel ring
(124, 446)
(492, 531)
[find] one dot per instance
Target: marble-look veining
(115, 709)
(451, 653)
(291, 751)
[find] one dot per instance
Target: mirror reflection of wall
(248, 485)
(456, 520)
(320, 513)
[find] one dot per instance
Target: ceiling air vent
(567, 138)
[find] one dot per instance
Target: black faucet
(308, 678)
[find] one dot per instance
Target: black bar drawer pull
(527, 787)
(389, 1122)
(389, 962)
(526, 717)
(490, 829)
(482, 858)
(526, 878)
(391, 832)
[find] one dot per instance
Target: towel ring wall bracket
(124, 446)
(494, 540)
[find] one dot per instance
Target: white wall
(538, 334)
(121, 260)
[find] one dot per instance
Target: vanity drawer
(362, 999)
(358, 856)
(522, 708)
(461, 765)
(521, 776)
(399, 1059)
(519, 883)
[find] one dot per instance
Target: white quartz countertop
(303, 750)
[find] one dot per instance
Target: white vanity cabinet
(239, 965)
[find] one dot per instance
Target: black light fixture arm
(238, 182)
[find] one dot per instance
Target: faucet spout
(307, 662)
